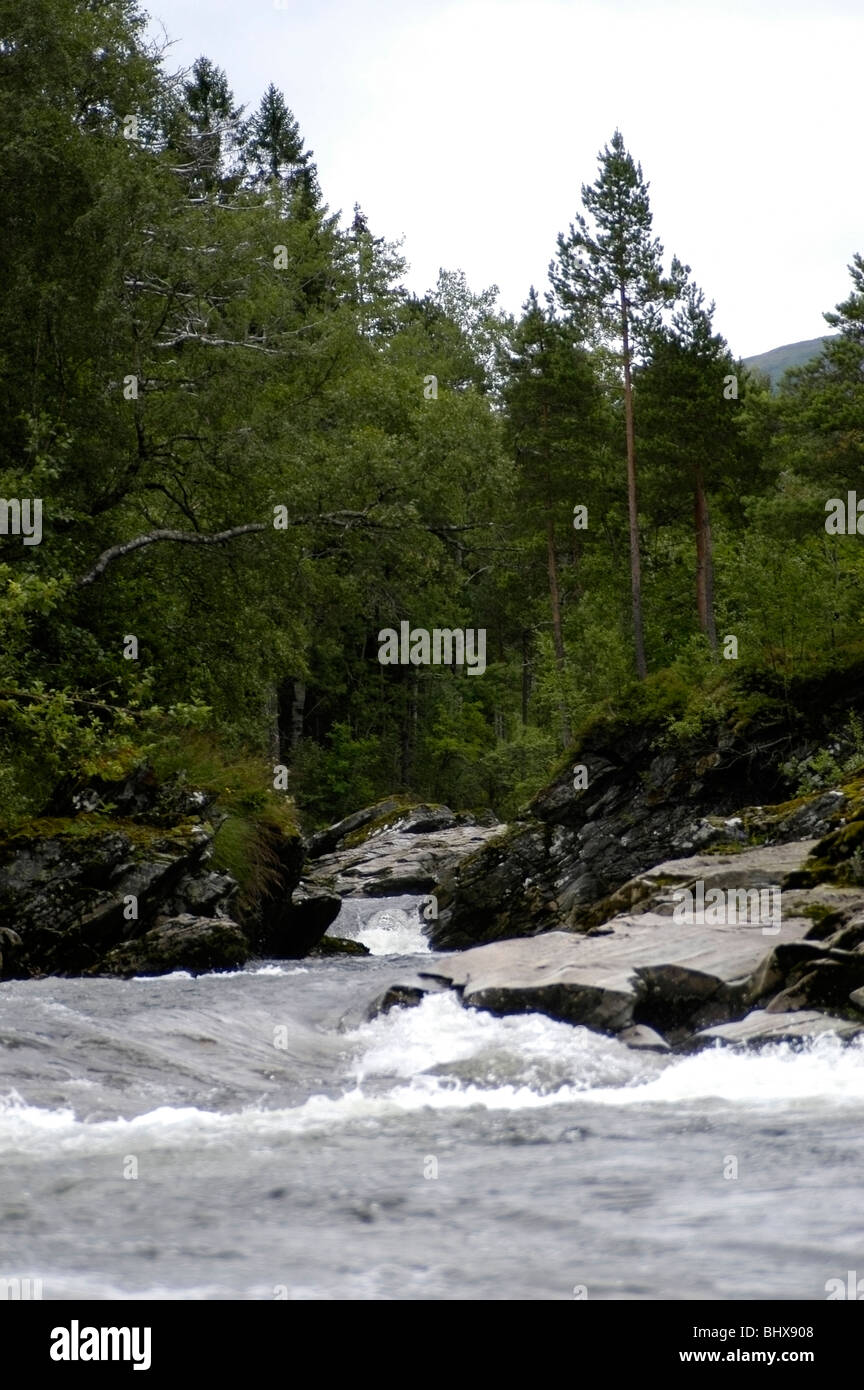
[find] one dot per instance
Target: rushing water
(284, 1149)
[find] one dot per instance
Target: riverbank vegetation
(254, 449)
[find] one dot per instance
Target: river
(246, 1136)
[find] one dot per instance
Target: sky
(466, 129)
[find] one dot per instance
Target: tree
(374, 265)
(480, 322)
(554, 413)
(822, 403)
(610, 281)
(274, 151)
(688, 429)
(210, 128)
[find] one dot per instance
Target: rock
(397, 996)
(10, 943)
(849, 936)
(196, 944)
(325, 841)
(308, 913)
(69, 895)
(339, 946)
(407, 852)
(810, 818)
(827, 984)
(402, 994)
(421, 820)
(648, 969)
(760, 1027)
(207, 894)
(678, 998)
(776, 966)
(139, 796)
(643, 1039)
(764, 867)
(268, 923)
(491, 895)
(652, 797)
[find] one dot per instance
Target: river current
(248, 1136)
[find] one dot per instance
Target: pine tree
(610, 281)
(206, 130)
(687, 413)
(822, 403)
(554, 422)
(274, 151)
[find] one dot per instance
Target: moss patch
(86, 827)
(382, 822)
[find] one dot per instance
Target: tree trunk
(526, 674)
(635, 565)
(704, 561)
(298, 705)
(409, 727)
(271, 724)
(557, 633)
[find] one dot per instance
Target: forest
(235, 450)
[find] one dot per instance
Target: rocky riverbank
(134, 892)
(580, 911)
(660, 978)
(598, 907)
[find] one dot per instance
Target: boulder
(339, 946)
(68, 895)
(325, 841)
(760, 1027)
(404, 850)
(310, 910)
(397, 996)
(196, 944)
(644, 969)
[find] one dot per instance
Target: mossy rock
(379, 823)
(92, 827)
(831, 859)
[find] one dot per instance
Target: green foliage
(278, 362)
(329, 781)
(842, 760)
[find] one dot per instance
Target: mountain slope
(778, 360)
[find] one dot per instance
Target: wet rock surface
(85, 892)
(196, 944)
(764, 953)
(391, 849)
(650, 798)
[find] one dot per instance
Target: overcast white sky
(469, 127)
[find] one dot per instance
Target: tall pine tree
(610, 281)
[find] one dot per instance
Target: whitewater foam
(441, 1056)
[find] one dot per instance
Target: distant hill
(780, 359)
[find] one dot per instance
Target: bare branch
(344, 519)
(152, 537)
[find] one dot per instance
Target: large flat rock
(761, 867)
(645, 968)
(407, 854)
